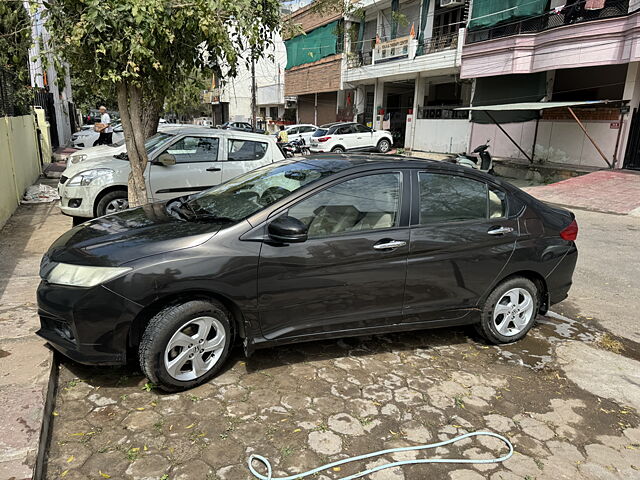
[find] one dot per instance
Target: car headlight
(78, 158)
(82, 275)
(85, 178)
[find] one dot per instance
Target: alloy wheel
(383, 146)
(513, 312)
(194, 348)
(116, 205)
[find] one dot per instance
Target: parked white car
(189, 161)
(87, 138)
(302, 130)
(347, 136)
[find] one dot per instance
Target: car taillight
(323, 139)
(571, 232)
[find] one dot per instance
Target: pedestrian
(105, 128)
(283, 136)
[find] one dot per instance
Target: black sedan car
(302, 250)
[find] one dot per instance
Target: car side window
(306, 129)
(292, 131)
(363, 129)
(366, 203)
(345, 130)
(497, 203)
(195, 149)
(452, 198)
(246, 150)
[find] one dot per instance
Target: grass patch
(607, 342)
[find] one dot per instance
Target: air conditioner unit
(451, 3)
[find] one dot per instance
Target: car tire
(504, 317)
(383, 146)
(337, 150)
(109, 202)
(163, 343)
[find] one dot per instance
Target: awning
(533, 105)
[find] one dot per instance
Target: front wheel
(509, 311)
(112, 202)
(185, 345)
(384, 146)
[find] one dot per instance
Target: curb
(45, 429)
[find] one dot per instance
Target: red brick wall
(307, 19)
(320, 76)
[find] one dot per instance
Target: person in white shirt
(106, 134)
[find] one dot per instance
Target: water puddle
(535, 351)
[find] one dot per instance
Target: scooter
(294, 147)
(485, 163)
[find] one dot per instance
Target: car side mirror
(166, 160)
(287, 229)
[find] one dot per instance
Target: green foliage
(15, 40)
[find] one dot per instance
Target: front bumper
(88, 325)
(69, 194)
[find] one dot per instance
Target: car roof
(335, 124)
(300, 125)
(200, 129)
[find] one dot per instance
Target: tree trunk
(130, 105)
(153, 103)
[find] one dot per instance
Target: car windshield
(319, 132)
(152, 143)
(247, 194)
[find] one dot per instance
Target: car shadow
(130, 376)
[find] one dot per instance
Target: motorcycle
(484, 163)
(295, 147)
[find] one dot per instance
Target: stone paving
(305, 405)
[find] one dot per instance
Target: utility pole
(253, 90)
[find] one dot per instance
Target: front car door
(350, 273)
(346, 136)
(197, 168)
(364, 137)
(244, 155)
(462, 237)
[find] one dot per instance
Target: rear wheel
(337, 149)
(112, 202)
(384, 145)
(186, 345)
(509, 311)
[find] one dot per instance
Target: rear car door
(197, 168)
(350, 272)
(462, 237)
(244, 155)
(346, 136)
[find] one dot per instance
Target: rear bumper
(560, 279)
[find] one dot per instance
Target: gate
(632, 155)
(44, 99)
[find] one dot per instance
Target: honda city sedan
(301, 250)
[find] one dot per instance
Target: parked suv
(182, 161)
(340, 137)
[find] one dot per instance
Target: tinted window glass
(306, 129)
(195, 149)
(292, 131)
(497, 203)
(361, 204)
(320, 132)
(246, 150)
(450, 198)
(345, 129)
(363, 129)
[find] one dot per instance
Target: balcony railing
(567, 16)
(401, 48)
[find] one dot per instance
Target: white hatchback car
(344, 136)
(181, 161)
(304, 131)
(88, 137)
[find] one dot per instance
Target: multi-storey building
(403, 61)
(578, 50)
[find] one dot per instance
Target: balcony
(567, 16)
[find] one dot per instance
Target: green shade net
(424, 14)
(528, 87)
(487, 13)
(316, 44)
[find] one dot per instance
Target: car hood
(102, 151)
(99, 162)
(126, 236)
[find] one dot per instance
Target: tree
(15, 40)
(146, 48)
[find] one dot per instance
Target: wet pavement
(305, 405)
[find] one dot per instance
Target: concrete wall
(558, 141)
(19, 161)
(441, 136)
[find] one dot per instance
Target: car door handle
(500, 230)
(214, 169)
(389, 245)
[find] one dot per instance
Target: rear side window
(320, 132)
(451, 198)
(246, 150)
